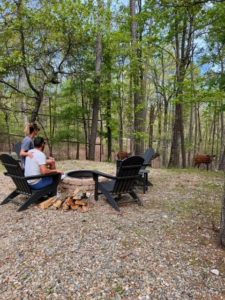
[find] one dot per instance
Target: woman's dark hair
(30, 128)
(38, 141)
(33, 127)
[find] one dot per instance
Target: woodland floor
(167, 249)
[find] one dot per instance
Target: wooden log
(81, 202)
(65, 206)
(69, 201)
(74, 206)
(47, 203)
(58, 204)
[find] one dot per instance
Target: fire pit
(74, 192)
(81, 179)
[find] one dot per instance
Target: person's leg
(42, 183)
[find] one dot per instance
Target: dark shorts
(42, 183)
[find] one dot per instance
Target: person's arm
(25, 147)
(45, 171)
(25, 153)
(50, 162)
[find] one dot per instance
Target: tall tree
(37, 47)
(137, 74)
(97, 82)
(184, 22)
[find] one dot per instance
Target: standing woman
(31, 131)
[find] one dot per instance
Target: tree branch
(15, 88)
(188, 4)
(22, 40)
(65, 56)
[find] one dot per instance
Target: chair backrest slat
(15, 171)
(17, 149)
(148, 155)
(127, 173)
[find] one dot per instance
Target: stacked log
(78, 200)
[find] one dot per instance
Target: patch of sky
(34, 4)
(201, 49)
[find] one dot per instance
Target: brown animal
(122, 155)
(203, 159)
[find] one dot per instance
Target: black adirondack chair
(15, 171)
(122, 183)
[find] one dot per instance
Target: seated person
(37, 164)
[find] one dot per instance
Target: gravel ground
(167, 249)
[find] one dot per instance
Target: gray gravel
(164, 250)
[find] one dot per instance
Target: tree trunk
(137, 75)
(222, 156)
(37, 106)
(120, 116)
(222, 222)
(199, 144)
(174, 154)
(183, 150)
(151, 127)
(130, 114)
(190, 133)
(85, 122)
(222, 160)
(108, 62)
(109, 113)
(165, 135)
(213, 131)
(159, 127)
(109, 131)
(96, 98)
(50, 126)
(190, 136)
(184, 32)
(7, 116)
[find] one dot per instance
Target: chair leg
(95, 178)
(96, 191)
(33, 198)
(135, 197)
(9, 197)
(145, 183)
(109, 197)
(38, 195)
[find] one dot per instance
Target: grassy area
(210, 173)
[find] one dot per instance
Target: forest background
(125, 76)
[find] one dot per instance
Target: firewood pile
(78, 200)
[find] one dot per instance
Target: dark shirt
(26, 145)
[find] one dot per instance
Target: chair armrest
(129, 177)
(146, 165)
(97, 174)
(30, 177)
(40, 176)
(143, 171)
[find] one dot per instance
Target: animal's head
(123, 154)
(211, 156)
